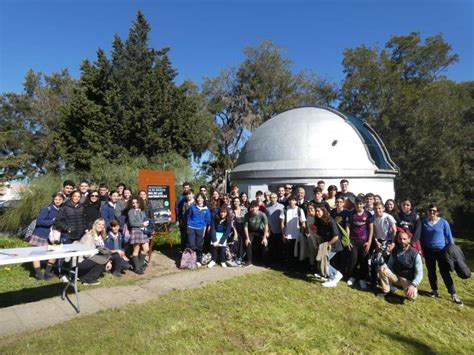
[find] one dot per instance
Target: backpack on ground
(188, 259)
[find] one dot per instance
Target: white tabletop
(24, 255)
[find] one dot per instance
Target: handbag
(54, 236)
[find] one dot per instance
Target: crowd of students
(336, 235)
(112, 221)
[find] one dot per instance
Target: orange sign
(160, 189)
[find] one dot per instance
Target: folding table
(29, 254)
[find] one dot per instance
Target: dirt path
(161, 277)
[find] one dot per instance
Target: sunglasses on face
(432, 210)
(94, 195)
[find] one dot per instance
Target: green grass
(18, 285)
(268, 312)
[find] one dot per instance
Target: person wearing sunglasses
(435, 237)
(92, 208)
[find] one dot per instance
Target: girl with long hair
(138, 222)
(221, 226)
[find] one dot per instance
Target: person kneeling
(404, 269)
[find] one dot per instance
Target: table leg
(73, 283)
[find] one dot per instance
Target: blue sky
(206, 36)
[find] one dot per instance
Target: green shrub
(12, 242)
(41, 189)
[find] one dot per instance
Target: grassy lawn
(17, 282)
(268, 312)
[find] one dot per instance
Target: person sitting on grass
(39, 238)
(91, 268)
(138, 222)
(116, 242)
(221, 226)
(404, 268)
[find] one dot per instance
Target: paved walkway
(35, 315)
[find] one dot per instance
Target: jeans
(332, 269)
(196, 241)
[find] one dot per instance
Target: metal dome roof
(313, 141)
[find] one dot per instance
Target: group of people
(338, 235)
(116, 222)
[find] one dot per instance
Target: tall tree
(30, 122)
(130, 105)
(401, 91)
(266, 79)
(242, 98)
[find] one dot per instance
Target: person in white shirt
(293, 222)
(385, 229)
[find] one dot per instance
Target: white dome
(313, 142)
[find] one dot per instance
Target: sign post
(160, 188)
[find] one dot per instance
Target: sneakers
(333, 282)
(382, 294)
(223, 265)
(363, 284)
(91, 283)
(456, 299)
(434, 294)
(320, 277)
(211, 264)
(117, 274)
(198, 264)
(64, 279)
(39, 276)
(232, 263)
(351, 282)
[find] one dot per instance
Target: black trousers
(256, 251)
(89, 271)
(433, 256)
(218, 251)
(183, 231)
(358, 266)
(275, 248)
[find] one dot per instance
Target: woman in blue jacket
(435, 238)
(44, 222)
(221, 226)
(199, 217)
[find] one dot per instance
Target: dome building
(304, 145)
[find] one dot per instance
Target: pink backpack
(188, 259)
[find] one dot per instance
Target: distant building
(304, 145)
